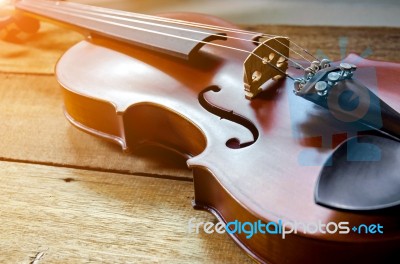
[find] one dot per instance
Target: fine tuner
(267, 156)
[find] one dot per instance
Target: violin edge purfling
(155, 100)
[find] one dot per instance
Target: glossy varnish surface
(155, 99)
(76, 215)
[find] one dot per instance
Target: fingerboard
(149, 32)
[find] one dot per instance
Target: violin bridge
(267, 62)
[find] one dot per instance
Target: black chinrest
(363, 173)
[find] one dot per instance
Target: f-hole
(233, 143)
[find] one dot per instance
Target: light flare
(4, 3)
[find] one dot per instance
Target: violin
(276, 138)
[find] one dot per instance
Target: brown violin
(296, 155)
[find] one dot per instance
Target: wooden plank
(79, 216)
(379, 43)
(42, 51)
(34, 130)
(99, 216)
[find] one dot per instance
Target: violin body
(247, 156)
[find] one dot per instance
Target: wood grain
(378, 43)
(34, 103)
(34, 130)
(42, 51)
(86, 202)
(79, 216)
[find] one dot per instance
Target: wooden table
(67, 197)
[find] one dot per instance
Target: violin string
(194, 24)
(163, 19)
(50, 8)
(306, 51)
(118, 13)
(199, 25)
(178, 28)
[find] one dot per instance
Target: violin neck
(150, 32)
